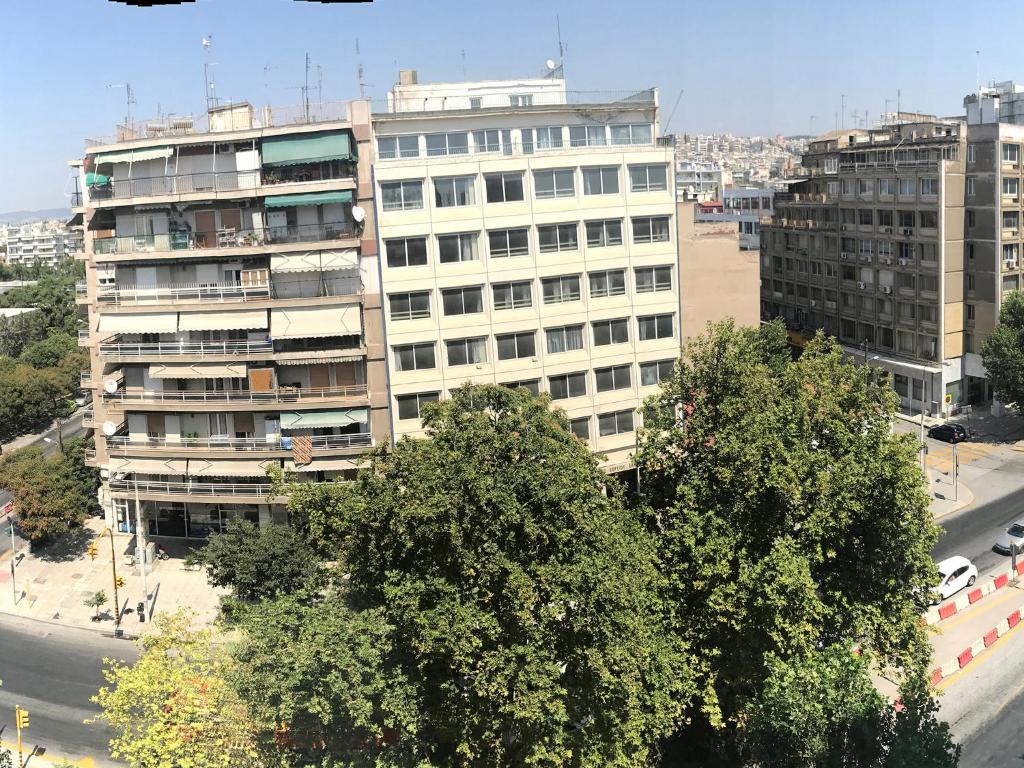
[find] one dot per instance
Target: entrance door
(206, 229)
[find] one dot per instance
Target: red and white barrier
(936, 614)
(967, 655)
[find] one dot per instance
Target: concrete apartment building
(43, 243)
(527, 237)
(744, 206)
(234, 318)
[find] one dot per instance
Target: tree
(174, 706)
(85, 478)
(256, 562)
(28, 399)
(788, 517)
(96, 600)
(49, 499)
(48, 352)
(521, 599)
(1003, 351)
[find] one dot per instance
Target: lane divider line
(969, 654)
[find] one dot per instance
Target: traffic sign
(949, 398)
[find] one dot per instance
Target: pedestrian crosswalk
(941, 458)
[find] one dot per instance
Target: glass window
(616, 423)
(530, 385)
(648, 178)
(447, 144)
(504, 187)
(410, 306)
(906, 187)
(409, 406)
(454, 248)
(610, 332)
(561, 290)
(654, 327)
(556, 182)
(653, 279)
(567, 338)
(587, 136)
(414, 357)
(454, 191)
(1011, 152)
(1011, 186)
(650, 229)
(406, 252)
(467, 351)
(503, 243)
(462, 301)
(601, 234)
(634, 133)
(653, 373)
(971, 149)
(390, 147)
(542, 138)
(516, 345)
(512, 295)
(611, 282)
(601, 181)
(402, 195)
(492, 141)
(521, 100)
(613, 377)
(1011, 219)
(567, 385)
(885, 187)
(557, 237)
(580, 427)
(929, 186)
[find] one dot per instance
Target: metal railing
(438, 100)
(225, 238)
(174, 488)
(160, 348)
(85, 379)
(186, 292)
(178, 184)
(76, 200)
(281, 395)
(90, 455)
(88, 418)
(81, 289)
(121, 443)
(83, 337)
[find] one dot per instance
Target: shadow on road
(70, 547)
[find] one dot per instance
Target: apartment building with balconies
(234, 316)
(527, 237)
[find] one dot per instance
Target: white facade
(45, 243)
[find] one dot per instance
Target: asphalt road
(971, 532)
(52, 672)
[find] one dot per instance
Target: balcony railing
(83, 337)
(282, 395)
(160, 348)
(121, 443)
(85, 379)
(88, 418)
(76, 200)
(180, 184)
(261, 490)
(225, 238)
(185, 292)
(81, 290)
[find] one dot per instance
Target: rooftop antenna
(561, 47)
(320, 89)
(674, 108)
(305, 90)
(842, 111)
(463, 63)
(129, 100)
(211, 95)
(977, 69)
(360, 73)
(899, 112)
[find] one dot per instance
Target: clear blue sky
(746, 67)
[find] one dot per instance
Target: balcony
(121, 444)
(85, 380)
(76, 200)
(149, 488)
(143, 350)
(83, 337)
(90, 457)
(81, 293)
(182, 184)
(313, 397)
(225, 238)
(185, 292)
(89, 418)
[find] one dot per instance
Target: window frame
(503, 177)
(572, 381)
(607, 177)
(658, 321)
(557, 192)
(616, 372)
(405, 249)
(404, 204)
(414, 349)
(608, 290)
(563, 331)
(558, 229)
(646, 186)
(460, 238)
(448, 151)
(513, 302)
(399, 152)
(476, 343)
(468, 180)
(410, 313)
(618, 418)
(420, 398)
(657, 282)
(462, 291)
(508, 242)
(603, 224)
(516, 337)
(649, 222)
(614, 325)
(548, 298)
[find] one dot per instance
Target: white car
(956, 573)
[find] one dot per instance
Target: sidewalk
(53, 584)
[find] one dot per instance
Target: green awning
(96, 180)
(134, 155)
(313, 198)
(307, 148)
(312, 419)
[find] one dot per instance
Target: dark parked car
(948, 433)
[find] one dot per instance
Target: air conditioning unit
(1012, 264)
(845, 255)
(886, 289)
(886, 259)
(814, 303)
(903, 262)
(865, 257)
(861, 285)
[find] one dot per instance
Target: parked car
(1014, 535)
(948, 433)
(83, 398)
(955, 573)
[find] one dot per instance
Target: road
(52, 672)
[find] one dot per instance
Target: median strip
(969, 654)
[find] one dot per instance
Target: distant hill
(21, 217)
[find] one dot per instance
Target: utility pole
(14, 556)
(956, 474)
(140, 541)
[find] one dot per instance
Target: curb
(98, 630)
(969, 654)
(936, 614)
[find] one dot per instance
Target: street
(52, 672)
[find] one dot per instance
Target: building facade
(528, 238)
(42, 243)
(744, 206)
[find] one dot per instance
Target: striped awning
(314, 261)
(134, 155)
(197, 371)
(207, 468)
(315, 322)
(239, 319)
(295, 149)
(314, 419)
(148, 466)
(328, 465)
(304, 358)
(148, 322)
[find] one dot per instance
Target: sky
(744, 67)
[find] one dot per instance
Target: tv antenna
(561, 47)
(360, 73)
(129, 100)
(211, 88)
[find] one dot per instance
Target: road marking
(960, 616)
(977, 662)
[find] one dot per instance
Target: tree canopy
(51, 494)
(1003, 351)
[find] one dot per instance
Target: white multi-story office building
(528, 237)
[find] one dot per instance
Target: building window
(516, 345)
(557, 182)
(926, 313)
(587, 136)
(402, 195)
(1010, 253)
(454, 192)
(929, 186)
(885, 218)
(530, 385)
(447, 144)
(906, 219)
(504, 243)
(1011, 186)
(654, 372)
(414, 357)
(648, 178)
(929, 284)
(634, 133)
(601, 234)
(492, 141)
(601, 181)
(610, 332)
(567, 385)
(561, 290)
(542, 138)
(557, 237)
(410, 306)
(865, 217)
(865, 187)
(616, 423)
(611, 282)
(580, 427)
(653, 279)
(970, 186)
(455, 248)
(566, 338)
(1011, 153)
(409, 406)
(504, 187)
(1011, 219)
(885, 187)
(467, 351)
(928, 219)
(521, 100)
(613, 377)
(390, 147)
(971, 153)
(462, 301)
(512, 295)
(906, 187)
(654, 327)
(650, 229)
(475, 102)
(906, 281)
(407, 252)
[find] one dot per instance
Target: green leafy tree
(49, 500)
(96, 600)
(1003, 351)
(49, 352)
(788, 515)
(85, 478)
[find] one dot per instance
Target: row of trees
(488, 597)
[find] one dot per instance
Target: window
(580, 427)
(865, 217)
(971, 153)
(567, 385)
(928, 219)
(587, 136)
(1011, 153)
(512, 295)
(929, 284)
(561, 290)
(653, 279)
(504, 187)
(634, 133)
(521, 100)
(929, 186)
(410, 306)
(927, 313)
(414, 357)
(542, 138)
(885, 187)
(616, 423)
(601, 234)
(454, 191)
(447, 144)
(1011, 186)
(492, 141)
(557, 237)
(905, 218)
(402, 195)
(1010, 252)
(566, 338)
(467, 351)
(389, 147)
(409, 406)
(906, 281)
(648, 178)
(654, 373)
(905, 251)
(504, 243)
(455, 248)
(613, 377)
(654, 327)
(462, 301)
(1011, 219)
(601, 181)
(475, 102)
(970, 219)
(650, 229)
(516, 345)
(906, 187)
(557, 182)
(970, 186)
(611, 282)
(865, 187)
(885, 218)
(407, 252)
(610, 332)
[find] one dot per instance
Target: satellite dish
(110, 386)
(550, 63)
(358, 213)
(109, 428)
